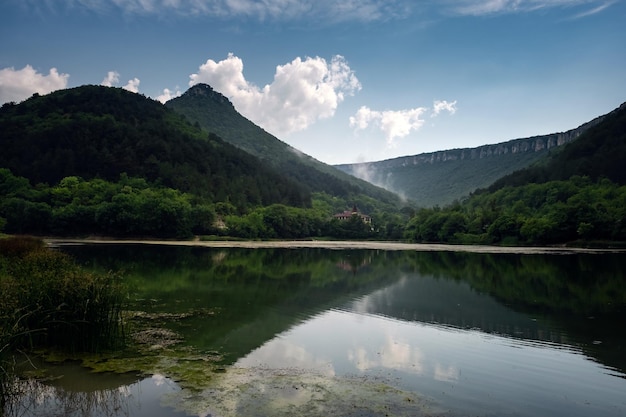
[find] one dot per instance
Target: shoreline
(340, 245)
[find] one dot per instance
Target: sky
(344, 81)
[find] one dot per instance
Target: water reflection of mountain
(577, 300)
(446, 302)
(259, 293)
(255, 293)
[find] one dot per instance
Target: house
(347, 215)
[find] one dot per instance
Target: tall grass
(48, 302)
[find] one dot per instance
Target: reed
(48, 302)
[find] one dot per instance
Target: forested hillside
(439, 178)
(100, 132)
(578, 194)
(602, 154)
(215, 113)
(94, 160)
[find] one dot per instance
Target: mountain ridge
(440, 177)
(102, 132)
(213, 112)
(598, 154)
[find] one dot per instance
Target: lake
(319, 332)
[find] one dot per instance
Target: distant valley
(439, 178)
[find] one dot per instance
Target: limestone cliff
(438, 178)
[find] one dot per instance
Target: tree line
(133, 207)
(535, 214)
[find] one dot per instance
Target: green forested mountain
(94, 160)
(215, 113)
(599, 153)
(576, 194)
(100, 132)
(104, 161)
(439, 178)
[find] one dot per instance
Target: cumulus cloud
(393, 354)
(393, 123)
(111, 79)
(302, 92)
(396, 124)
(17, 85)
(443, 105)
(132, 85)
(168, 94)
(486, 7)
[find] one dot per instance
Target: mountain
(101, 132)
(213, 112)
(439, 178)
(599, 153)
(574, 195)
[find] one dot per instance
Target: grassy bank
(48, 302)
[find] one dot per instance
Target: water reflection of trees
(580, 284)
(33, 398)
(581, 297)
(248, 287)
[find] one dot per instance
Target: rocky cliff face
(515, 146)
(439, 178)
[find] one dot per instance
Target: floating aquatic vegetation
(289, 392)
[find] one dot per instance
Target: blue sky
(343, 81)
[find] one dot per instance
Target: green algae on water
(289, 392)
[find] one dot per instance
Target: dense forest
(100, 132)
(104, 161)
(577, 209)
(131, 207)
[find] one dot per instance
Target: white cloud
(394, 124)
(17, 85)
(302, 92)
(443, 105)
(593, 11)
(448, 373)
(167, 95)
(486, 7)
(393, 354)
(320, 10)
(132, 85)
(111, 79)
(327, 11)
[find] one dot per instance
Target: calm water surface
(367, 333)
